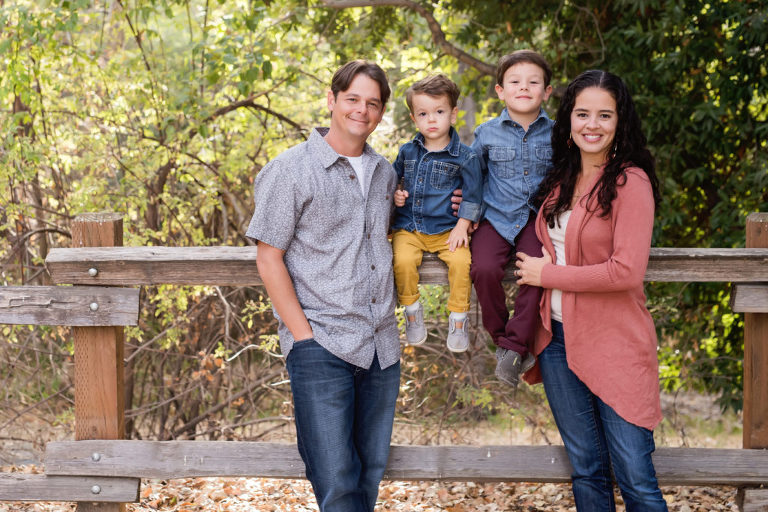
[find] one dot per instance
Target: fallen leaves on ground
(273, 495)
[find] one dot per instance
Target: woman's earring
(615, 149)
(570, 140)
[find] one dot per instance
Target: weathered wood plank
(24, 487)
(236, 266)
(753, 500)
(755, 417)
(69, 305)
(99, 374)
(180, 459)
(749, 298)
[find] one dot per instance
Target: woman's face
(593, 123)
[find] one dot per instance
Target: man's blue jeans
(344, 418)
(596, 439)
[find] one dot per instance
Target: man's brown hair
(343, 77)
(435, 86)
(519, 56)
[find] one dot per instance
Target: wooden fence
(101, 471)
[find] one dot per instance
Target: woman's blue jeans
(344, 418)
(596, 439)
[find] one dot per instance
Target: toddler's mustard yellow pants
(408, 248)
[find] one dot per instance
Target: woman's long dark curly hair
(629, 149)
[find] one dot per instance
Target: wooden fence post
(99, 398)
(756, 353)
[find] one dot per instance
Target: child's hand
(459, 236)
(400, 197)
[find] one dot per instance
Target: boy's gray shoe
(458, 338)
(509, 365)
(415, 332)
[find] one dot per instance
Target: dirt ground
(690, 420)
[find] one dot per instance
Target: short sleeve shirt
(309, 204)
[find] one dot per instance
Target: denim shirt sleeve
(479, 149)
(471, 187)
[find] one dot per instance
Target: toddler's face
(433, 116)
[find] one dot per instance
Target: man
(321, 220)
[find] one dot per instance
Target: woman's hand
(529, 268)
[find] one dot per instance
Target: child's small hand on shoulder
(400, 197)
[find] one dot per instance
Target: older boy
(516, 154)
(328, 272)
(430, 167)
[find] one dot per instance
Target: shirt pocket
(444, 175)
(408, 172)
(543, 159)
(501, 161)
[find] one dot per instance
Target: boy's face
(523, 90)
(356, 112)
(433, 116)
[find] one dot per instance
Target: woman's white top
(557, 234)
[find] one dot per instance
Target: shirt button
(376, 330)
(526, 173)
(525, 139)
(517, 226)
(373, 300)
(351, 176)
(386, 196)
(369, 236)
(373, 267)
(421, 180)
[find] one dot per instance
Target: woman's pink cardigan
(610, 338)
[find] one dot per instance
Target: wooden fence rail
(100, 467)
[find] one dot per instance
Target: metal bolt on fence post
(93, 271)
(95, 489)
(94, 306)
(95, 457)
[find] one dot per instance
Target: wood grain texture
(181, 459)
(749, 298)
(236, 266)
(68, 305)
(99, 375)
(755, 417)
(24, 487)
(753, 500)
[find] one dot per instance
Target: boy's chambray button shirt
(430, 179)
(514, 164)
(309, 204)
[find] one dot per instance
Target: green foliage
(165, 111)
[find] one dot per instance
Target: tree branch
(438, 36)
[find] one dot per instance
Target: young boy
(430, 168)
(516, 154)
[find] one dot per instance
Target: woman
(596, 345)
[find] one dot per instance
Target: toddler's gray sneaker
(458, 338)
(415, 332)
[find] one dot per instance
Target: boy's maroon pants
(490, 256)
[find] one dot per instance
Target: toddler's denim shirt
(430, 177)
(514, 164)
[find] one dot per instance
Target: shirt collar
(505, 117)
(325, 154)
(453, 146)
